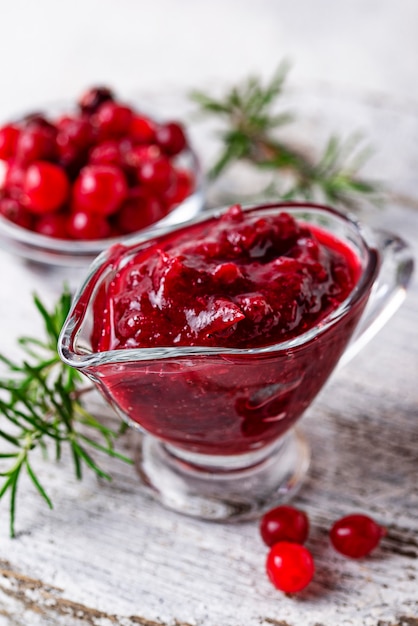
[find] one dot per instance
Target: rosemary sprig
(252, 120)
(41, 403)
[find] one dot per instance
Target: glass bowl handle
(388, 292)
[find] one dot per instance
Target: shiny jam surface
(237, 282)
(243, 280)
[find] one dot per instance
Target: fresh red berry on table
(284, 523)
(290, 566)
(45, 187)
(356, 535)
(100, 189)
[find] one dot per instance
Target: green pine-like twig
(41, 403)
(251, 121)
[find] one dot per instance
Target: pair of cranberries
(290, 565)
(102, 171)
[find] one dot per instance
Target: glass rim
(82, 360)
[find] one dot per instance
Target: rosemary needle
(251, 121)
(41, 403)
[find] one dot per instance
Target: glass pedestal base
(223, 488)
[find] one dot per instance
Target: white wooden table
(107, 554)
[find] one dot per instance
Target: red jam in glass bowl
(213, 338)
(220, 295)
(239, 282)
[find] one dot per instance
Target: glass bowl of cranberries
(76, 180)
(213, 337)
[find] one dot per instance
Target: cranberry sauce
(239, 281)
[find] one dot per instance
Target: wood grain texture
(107, 554)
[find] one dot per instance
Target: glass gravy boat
(217, 424)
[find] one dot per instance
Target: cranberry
(290, 566)
(8, 140)
(100, 189)
(52, 225)
(93, 98)
(284, 523)
(74, 131)
(255, 307)
(171, 138)
(87, 226)
(36, 142)
(138, 155)
(156, 174)
(46, 187)
(113, 120)
(13, 211)
(106, 153)
(72, 159)
(180, 188)
(142, 130)
(92, 161)
(356, 535)
(13, 179)
(37, 120)
(139, 211)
